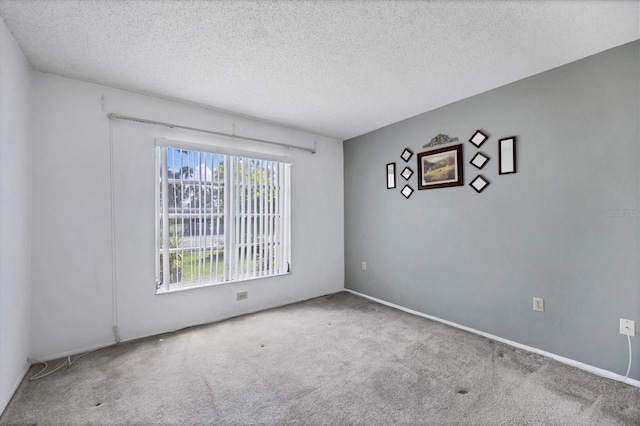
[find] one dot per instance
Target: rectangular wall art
(440, 168)
(507, 155)
(391, 175)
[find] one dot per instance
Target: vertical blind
(220, 218)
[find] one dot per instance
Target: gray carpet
(338, 359)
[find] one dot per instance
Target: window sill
(198, 286)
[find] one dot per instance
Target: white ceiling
(339, 68)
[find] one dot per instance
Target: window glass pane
(221, 218)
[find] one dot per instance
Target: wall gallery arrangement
(406, 156)
(479, 160)
(443, 167)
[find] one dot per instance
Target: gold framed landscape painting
(440, 168)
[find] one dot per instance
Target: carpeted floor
(338, 359)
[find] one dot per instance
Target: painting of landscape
(440, 168)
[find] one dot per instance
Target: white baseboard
(568, 361)
(71, 352)
(81, 350)
(254, 310)
(14, 388)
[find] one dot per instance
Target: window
(220, 217)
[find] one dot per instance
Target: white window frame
(277, 236)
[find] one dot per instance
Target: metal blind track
(113, 116)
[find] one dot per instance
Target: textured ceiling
(338, 68)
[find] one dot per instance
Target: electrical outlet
(624, 323)
(242, 295)
(364, 266)
(538, 304)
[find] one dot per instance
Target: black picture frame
(507, 156)
(407, 191)
(441, 168)
(479, 160)
(407, 173)
(406, 154)
(391, 175)
(479, 183)
(478, 138)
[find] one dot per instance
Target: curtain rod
(113, 116)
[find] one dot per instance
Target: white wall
(15, 152)
(72, 261)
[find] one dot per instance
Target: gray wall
(478, 259)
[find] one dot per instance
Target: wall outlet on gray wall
(243, 295)
(538, 304)
(631, 324)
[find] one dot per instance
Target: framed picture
(440, 168)
(478, 138)
(406, 173)
(507, 155)
(479, 183)
(391, 175)
(479, 160)
(406, 154)
(407, 191)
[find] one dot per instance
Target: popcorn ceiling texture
(335, 68)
